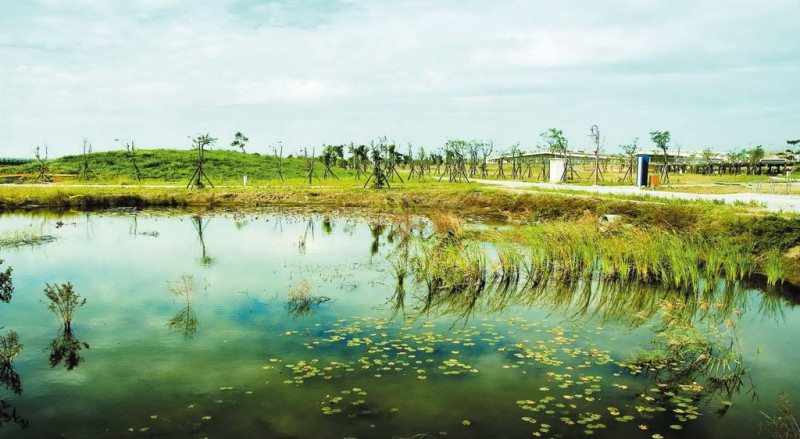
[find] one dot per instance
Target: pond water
(186, 332)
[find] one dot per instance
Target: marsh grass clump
(302, 302)
(22, 238)
(774, 268)
(453, 266)
(580, 250)
(63, 302)
(783, 425)
(511, 260)
(446, 223)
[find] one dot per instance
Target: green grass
(774, 268)
(160, 166)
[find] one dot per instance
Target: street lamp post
(595, 132)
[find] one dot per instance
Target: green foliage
(661, 139)
(239, 141)
(708, 154)
(555, 141)
(754, 155)
(63, 301)
(10, 347)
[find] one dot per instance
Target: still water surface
(234, 361)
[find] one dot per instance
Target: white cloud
(158, 71)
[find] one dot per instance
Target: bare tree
(278, 161)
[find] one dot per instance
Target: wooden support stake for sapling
(329, 155)
(310, 164)
(86, 172)
(279, 162)
(43, 166)
(130, 153)
(200, 143)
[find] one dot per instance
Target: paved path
(773, 202)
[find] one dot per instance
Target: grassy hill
(170, 166)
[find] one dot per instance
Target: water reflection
(6, 286)
(197, 220)
(10, 378)
(9, 414)
(504, 302)
(185, 320)
(327, 225)
(460, 278)
(376, 230)
(302, 302)
(66, 348)
(10, 348)
(301, 244)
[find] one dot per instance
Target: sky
(723, 74)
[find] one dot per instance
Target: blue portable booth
(642, 166)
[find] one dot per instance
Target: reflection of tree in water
(376, 229)
(66, 348)
(327, 225)
(301, 244)
(185, 320)
(6, 286)
(197, 220)
(302, 302)
(10, 348)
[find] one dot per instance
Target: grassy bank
(668, 229)
(159, 166)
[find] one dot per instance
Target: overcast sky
(715, 73)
